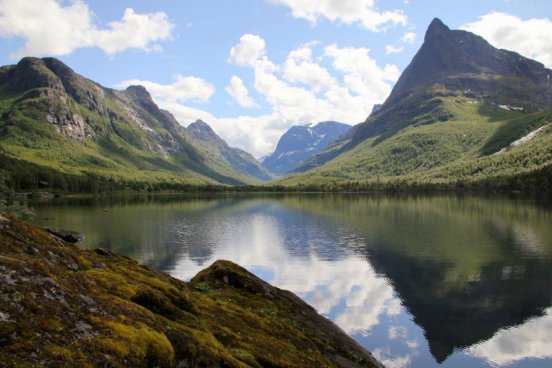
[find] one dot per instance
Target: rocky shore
(61, 306)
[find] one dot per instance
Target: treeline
(21, 176)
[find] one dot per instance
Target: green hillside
(460, 151)
(224, 158)
(58, 128)
(449, 122)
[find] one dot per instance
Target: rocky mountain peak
(217, 150)
(31, 73)
(139, 91)
(436, 28)
(200, 125)
(462, 61)
(59, 68)
(202, 130)
(301, 142)
(140, 96)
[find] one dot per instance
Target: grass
(441, 153)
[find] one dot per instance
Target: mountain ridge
(458, 101)
(300, 142)
(55, 118)
(215, 147)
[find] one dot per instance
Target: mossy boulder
(64, 306)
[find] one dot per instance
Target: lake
(420, 281)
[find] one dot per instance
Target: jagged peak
(201, 125)
(200, 122)
(142, 96)
(436, 27)
(201, 128)
(138, 90)
(29, 60)
(56, 65)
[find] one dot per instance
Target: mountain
(216, 150)
(300, 143)
(62, 130)
(453, 118)
(460, 60)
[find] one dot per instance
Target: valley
(398, 200)
(448, 124)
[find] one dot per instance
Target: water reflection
(417, 280)
(531, 340)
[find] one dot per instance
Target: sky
(253, 68)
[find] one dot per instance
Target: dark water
(442, 281)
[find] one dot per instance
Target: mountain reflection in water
(460, 281)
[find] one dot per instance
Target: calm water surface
(442, 281)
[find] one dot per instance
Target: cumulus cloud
(531, 340)
(248, 51)
(299, 68)
(333, 83)
(50, 28)
(183, 88)
(363, 75)
(239, 92)
(362, 12)
(390, 49)
(409, 37)
(531, 38)
(395, 332)
(389, 360)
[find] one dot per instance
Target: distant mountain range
(63, 123)
(300, 143)
(462, 113)
(217, 151)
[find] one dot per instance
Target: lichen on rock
(63, 306)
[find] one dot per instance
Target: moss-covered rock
(63, 306)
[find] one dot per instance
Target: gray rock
(67, 235)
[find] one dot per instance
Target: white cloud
(363, 12)
(390, 361)
(239, 92)
(395, 332)
(50, 28)
(185, 114)
(301, 90)
(182, 89)
(531, 340)
(362, 73)
(299, 68)
(409, 37)
(390, 49)
(248, 51)
(531, 38)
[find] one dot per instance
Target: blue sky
(253, 68)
